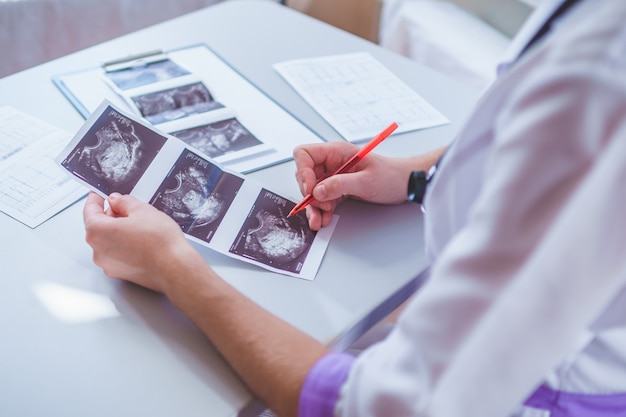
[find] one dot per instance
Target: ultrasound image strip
(114, 153)
(197, 195)
(270, 237)
(218, 138)
(175, 103)
(149, 73)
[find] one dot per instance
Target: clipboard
(234, 104)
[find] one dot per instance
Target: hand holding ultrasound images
(220, 209)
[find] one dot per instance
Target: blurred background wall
(427, 31)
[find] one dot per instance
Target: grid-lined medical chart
(32, 186)
(358, 95)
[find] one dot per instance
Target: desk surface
(75, 343)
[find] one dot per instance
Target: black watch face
(417, 186)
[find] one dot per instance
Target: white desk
(139, 356)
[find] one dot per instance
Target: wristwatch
(417, 186)
(418, 181)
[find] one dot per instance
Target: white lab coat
(526, 223)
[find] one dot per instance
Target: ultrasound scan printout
(145, 73)
(270, 237)
(218, 138)
(114, 153)
(175, 103)
(215, 207)
(181, 104)
(196, 194)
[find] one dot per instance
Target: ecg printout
(33, 187)
(358, 95)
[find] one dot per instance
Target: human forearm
(426, 160)
(137, 243)
(401, 168)
(272, 357)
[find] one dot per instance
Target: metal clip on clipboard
(132, 61)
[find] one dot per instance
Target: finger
(314, 216)
(303, 183)
(353, 184)
(330, 189)
(325, 205)
(318, 218)
(94, 206)
(302, 155)
(327, 217)
(305, 165)
(331, 153)
(317, 160)
(123, 205)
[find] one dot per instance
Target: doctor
(524, 313)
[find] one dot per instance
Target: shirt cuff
(320, 391)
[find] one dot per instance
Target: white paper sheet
(32, 187)
(221, 209)
(358, 95)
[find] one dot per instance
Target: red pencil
(349, 164)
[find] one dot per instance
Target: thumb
(338, 186)
(123, 205)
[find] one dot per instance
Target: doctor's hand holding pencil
(324, 179)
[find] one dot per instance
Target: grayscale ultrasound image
(114, 153)
(145, 74)
(175, 103)
(196, 194)
(219, 138)
(270, 237)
